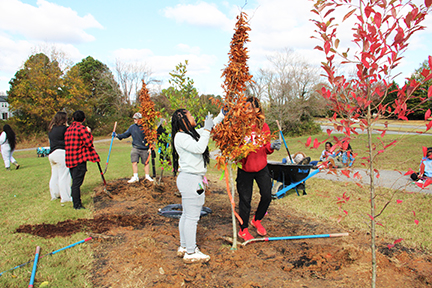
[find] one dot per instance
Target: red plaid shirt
(79, 145)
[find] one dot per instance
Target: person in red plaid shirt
(79, 150)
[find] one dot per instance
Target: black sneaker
(79, 207)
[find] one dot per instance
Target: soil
(135, 247)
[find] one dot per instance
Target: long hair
(59, 119)
(260, 115)
(10, 136)
(179, 122)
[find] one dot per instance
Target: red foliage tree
(382, 30)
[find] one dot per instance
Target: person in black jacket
(140, 149)
(60, 182)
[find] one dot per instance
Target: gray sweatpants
(188, 185)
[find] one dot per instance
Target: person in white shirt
(8, 143)
(191, 157)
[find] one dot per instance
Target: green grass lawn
(25, 199)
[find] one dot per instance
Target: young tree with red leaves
(381, 32)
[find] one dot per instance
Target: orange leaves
(348, 15)
(149, 114)
(231, 135)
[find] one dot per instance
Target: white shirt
(4, 142)
(190, 151)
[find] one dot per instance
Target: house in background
(4, 108)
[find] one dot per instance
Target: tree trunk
(372, 198)
(234, 221)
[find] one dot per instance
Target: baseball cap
(137, 116)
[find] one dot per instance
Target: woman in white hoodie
(191, 157)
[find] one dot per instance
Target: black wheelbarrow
(289, 176)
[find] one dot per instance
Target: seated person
(343, 158)
(325, 154)
(425, 167)
(298, 158)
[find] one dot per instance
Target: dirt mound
(135, 247)
(99, 224)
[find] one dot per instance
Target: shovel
(286, 146)
(109, 152)
(103, 179)
(295, 237)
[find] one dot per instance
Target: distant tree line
(287, 90)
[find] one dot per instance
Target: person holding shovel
(191, 157)
(140, 148)
(254, 167)
(79, 149)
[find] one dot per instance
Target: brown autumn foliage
(149, 114)
(230, 134)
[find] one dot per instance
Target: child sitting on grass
(425, 167)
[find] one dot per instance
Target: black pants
(245, 189)
(77, 173)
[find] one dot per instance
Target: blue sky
(161, 34)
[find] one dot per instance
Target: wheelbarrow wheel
(276, 188)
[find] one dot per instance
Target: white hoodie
(190, 151)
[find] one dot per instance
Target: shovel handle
(283, 138)
(115, 126)
(279, 127)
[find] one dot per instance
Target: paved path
(387, 178)
(34, 149)
(403, 129)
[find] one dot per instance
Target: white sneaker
(149, 178)
(133, 179)
(181, 251)
(196, 257)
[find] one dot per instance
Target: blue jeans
(192, 203)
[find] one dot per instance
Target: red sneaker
(245, 234)
(260, 229)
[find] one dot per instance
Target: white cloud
(202, 14)
(46, 22)
(188, 49)
(161, 65)
(132, 55)
(13, 53)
